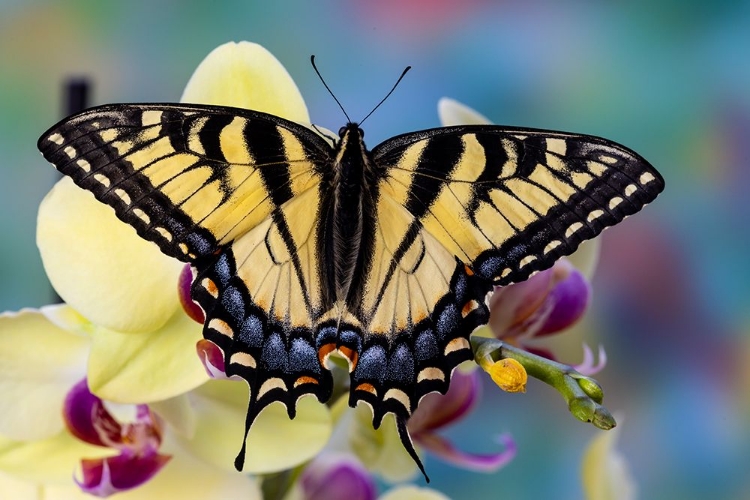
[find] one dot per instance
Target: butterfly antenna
(403, 74)
(312, 61)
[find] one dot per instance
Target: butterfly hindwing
(510, 202)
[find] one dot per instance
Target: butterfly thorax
(349, 206)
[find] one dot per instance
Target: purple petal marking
(88, 419)
(437, 410)
(511, 305)
(443, 449)
(334, 477)
(212, 358)
(104, 477)
(184, 283)
(569, 298)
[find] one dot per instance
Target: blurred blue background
(669, 79)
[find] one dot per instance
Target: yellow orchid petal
(246, 75)
(411, 492)
(274, 442)
(187, 478)
(100, 266)
(126, 368)
(586, 257)
(380, 450)
(51, 460)
(39, 363)
(13, 487)
(605, 473)
(452, 112)
(178, 413)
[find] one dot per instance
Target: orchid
(124, 331)
(118, 390)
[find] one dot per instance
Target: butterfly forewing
(190, 178)
(510, 202)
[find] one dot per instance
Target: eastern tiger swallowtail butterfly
(302, 247)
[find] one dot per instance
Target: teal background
(669, 79)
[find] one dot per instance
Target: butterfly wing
(510, 202)
(235, 193)
(190, 178)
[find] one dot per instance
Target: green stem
(582, 394)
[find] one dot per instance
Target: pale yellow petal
(51, 460)
(12, 488)
(246, 75)
(586, 257)
(604, 471)
(187, 478)
(178, 413)
(39, 363)
(274, 442)
(411, 492)
(380, 450)
(100, 266)
(127, 368)
(452, 112)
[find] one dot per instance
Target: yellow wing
(190, 178)
(509, 202)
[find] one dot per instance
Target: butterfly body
(301, 248)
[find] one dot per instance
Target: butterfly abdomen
(347, 240)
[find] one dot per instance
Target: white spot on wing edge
(222, 327)
(552, 245)
(527, 260)
(399, 396)
(70, 152)
(614, 202)
(595, 214)
(85, 165)
(56, 138)
(166, 234)
(270, 384)
(456, 345)
(141, 215)
(243, 358)
(572, 229)
(646, 177)
(124, 196)
(431, 373)
(630, 189)
(103, 179)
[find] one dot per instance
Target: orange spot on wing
(351, 355)
(468, 270)
(367, 388)
(468, 307)
(305, 380)
(324, 351)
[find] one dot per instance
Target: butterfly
(304, 246)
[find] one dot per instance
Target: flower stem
(583, 394)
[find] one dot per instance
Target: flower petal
(246, 75)
(586, 257)
(126, 368)
(46, 460)
(411, 492)
(443, 449)
(336, 476)
(604, 471)
(186, 478)
(380, 450)
(104, 477)
(511, 305)
(39, 362)
(12, 487)
(274, 443)
(178, 413)
(568, 298)
(452, 112)
(100, 266)
(437, 410)
(82, 411)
